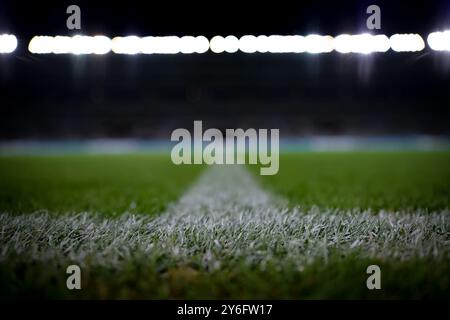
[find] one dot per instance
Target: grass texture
(225, 236)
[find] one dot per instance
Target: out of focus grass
(103, 184)
(339, 278)
(375, 180)
(146, 183)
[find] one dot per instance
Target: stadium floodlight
(284, 44)
(439, 41)
(380, 43)
(188, 44)
(90, 45)
(217, 44)
(101, 45)
(8, 43)
(318, 44)
(70, 45)
(273, 44)
(167, 45)
(296, 43)
(248, 44)
(126, 45)
(81, 45)
(60, 44)
(231, 44)
(201, 44)
(262, 44)
(361, 43)
(344, 43)
(120, 45)
(173, 45)
(161, 45)
(41, 45)
(410, 42)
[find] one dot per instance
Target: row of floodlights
(345, 43)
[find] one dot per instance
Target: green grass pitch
(145, 185)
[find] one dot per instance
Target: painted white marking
(224, 217)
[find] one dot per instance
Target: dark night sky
(65, 96)
(222, 17)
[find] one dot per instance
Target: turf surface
(145, 183)
(339, 278)
(105, 184)
(365, 180)
(109, 185)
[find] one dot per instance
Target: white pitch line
(223, 218)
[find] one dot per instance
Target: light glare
(248, 44)
(406, 42)
(318, 44)
(74, 45)
(361, 43)
(439, 41)
(126, 45)
(8, 43)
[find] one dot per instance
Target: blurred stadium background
(67, 97)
